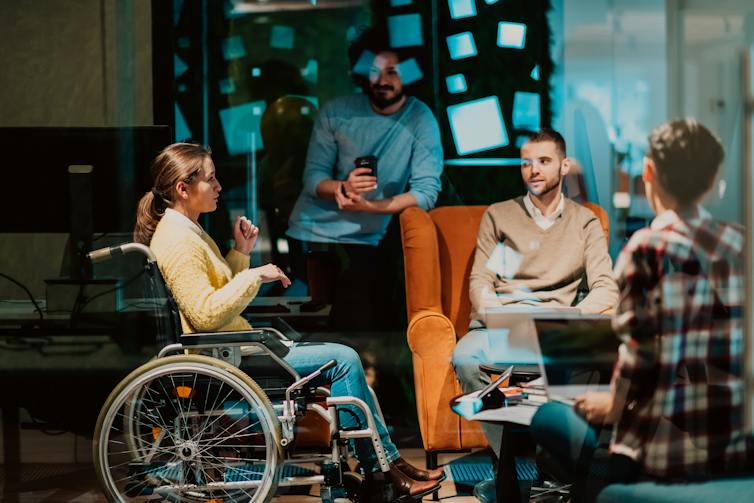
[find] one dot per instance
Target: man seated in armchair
(532, 250)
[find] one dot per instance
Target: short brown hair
(547, 134)
(687, 157)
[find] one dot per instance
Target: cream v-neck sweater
(544, 267)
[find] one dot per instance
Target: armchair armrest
(432, 338)
(431, 335)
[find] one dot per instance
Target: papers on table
(470, 406)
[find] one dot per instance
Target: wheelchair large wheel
(187, 428)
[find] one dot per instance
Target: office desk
(62, 380)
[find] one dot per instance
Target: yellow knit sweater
(211, 291)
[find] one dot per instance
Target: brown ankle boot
(415, 473)
(405, 485)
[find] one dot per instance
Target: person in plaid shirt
(676, 399)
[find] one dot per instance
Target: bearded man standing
(370, 156)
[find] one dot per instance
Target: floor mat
(467, 471)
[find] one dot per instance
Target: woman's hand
(594, 406)
(245, 234)
(270, 273)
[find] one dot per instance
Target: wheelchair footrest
(417, 497)
(254, 472)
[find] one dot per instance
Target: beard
(549, 187)
(381, 103)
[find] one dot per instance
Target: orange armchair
(438, 252)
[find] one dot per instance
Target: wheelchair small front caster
(333, 494)
(355, 487)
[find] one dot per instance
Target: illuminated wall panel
(477, 125)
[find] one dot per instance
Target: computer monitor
(77, 181)
(36, 173)
(578, 354)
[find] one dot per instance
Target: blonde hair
(176, 162)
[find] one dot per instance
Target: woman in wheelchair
(212, 292)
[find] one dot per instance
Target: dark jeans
(572, 446)
(345, 275)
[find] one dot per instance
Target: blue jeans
(345, 379)
(482, 345)
(573, 445)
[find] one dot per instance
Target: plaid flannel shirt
(681, 322)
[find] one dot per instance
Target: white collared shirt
(182, 219)
(544, 222)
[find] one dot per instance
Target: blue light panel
(484, 161)
(282, 37)
(460, 9)
(227, 86)
(311, 71)
(409, 71)
(231, 12)
(182, 131)
(461, 45)
(535, 73)
(405, 30)
(177, 11)
(233, 48)
(511, 35)
(400, 3)
(351, 33)
(179, 67)
(526, 111)
(239, 123)
(256, 71)
(456, 83)
(363, 65)
(490, 2)
(477, 125)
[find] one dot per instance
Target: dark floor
(56, 465)
(77, 483)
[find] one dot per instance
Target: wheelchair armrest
(269, 338)
(281, 326)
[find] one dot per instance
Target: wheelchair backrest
(164, 308)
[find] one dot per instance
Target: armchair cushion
(456, 228)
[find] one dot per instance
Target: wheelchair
(191, 426)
